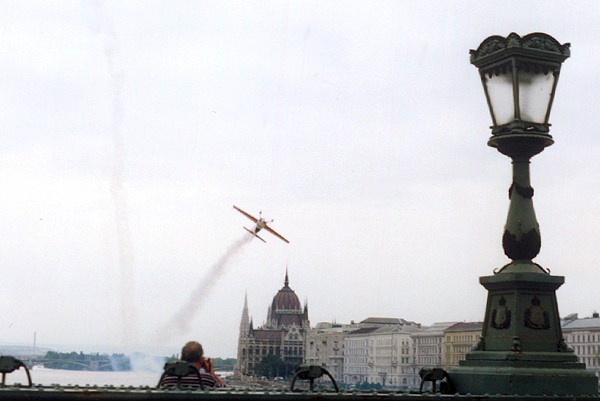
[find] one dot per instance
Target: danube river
(47, 377)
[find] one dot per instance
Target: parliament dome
(286, 299)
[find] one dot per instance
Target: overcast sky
(129, 129)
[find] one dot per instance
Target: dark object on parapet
(180, 369)
(9, 364)
(260, 224)
(312, 372)
(434, 375)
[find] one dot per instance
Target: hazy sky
(129, 129)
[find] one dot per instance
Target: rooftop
(436, 328)
(465, 326)
(385, 321)
(364, 330)
(585, 323)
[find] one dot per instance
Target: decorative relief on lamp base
(536, 317)
(501, 316)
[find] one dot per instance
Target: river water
(46, 377)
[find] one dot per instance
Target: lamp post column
(521, 239)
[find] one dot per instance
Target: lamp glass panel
(535, 91)
(500, 93)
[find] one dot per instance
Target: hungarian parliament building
(385, 351)
(282, 335)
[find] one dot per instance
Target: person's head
(192, 352)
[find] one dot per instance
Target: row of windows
(348, 360)
(428, 340)
(381, 379)
(430, 350)
(583, 338)
(391, 341)
(378, 360)
(356, 351)
(461, 338)
(271, 350)
(460, 349)
(378, 369)
(430, 360)
(355, 369)
(357, 343)
(335, 344)
(583, 350)
(590, 362)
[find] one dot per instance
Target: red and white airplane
(260, 224)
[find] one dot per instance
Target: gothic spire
(244, 323)
(305, 320)
(287, 280)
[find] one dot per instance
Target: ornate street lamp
(519, 77)
(521, 350)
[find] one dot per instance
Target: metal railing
(111, 393)
(306, 373)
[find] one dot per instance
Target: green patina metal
(522, 350)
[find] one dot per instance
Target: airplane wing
(253, 233)
(269, 229)
(254, 219)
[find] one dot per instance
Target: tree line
(81, 361)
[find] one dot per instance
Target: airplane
(260, 224)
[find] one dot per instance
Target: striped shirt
(190, 381)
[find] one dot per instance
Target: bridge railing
(76, 393)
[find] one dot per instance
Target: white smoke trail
(126, 257)
(179, 324)
(103, 26)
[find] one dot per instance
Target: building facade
(459, 339)
(428, 345)
(356, 356)
(324, 346)
(381, 354)
(583, 336)
(282, 334)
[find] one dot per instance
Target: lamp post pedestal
(522, 350)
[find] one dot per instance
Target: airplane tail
(253, 233)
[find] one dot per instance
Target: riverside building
(381, 354)
(428, 346)
(459, 339)
(583, 336)
(324, 346)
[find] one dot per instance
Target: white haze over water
(46, 377)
